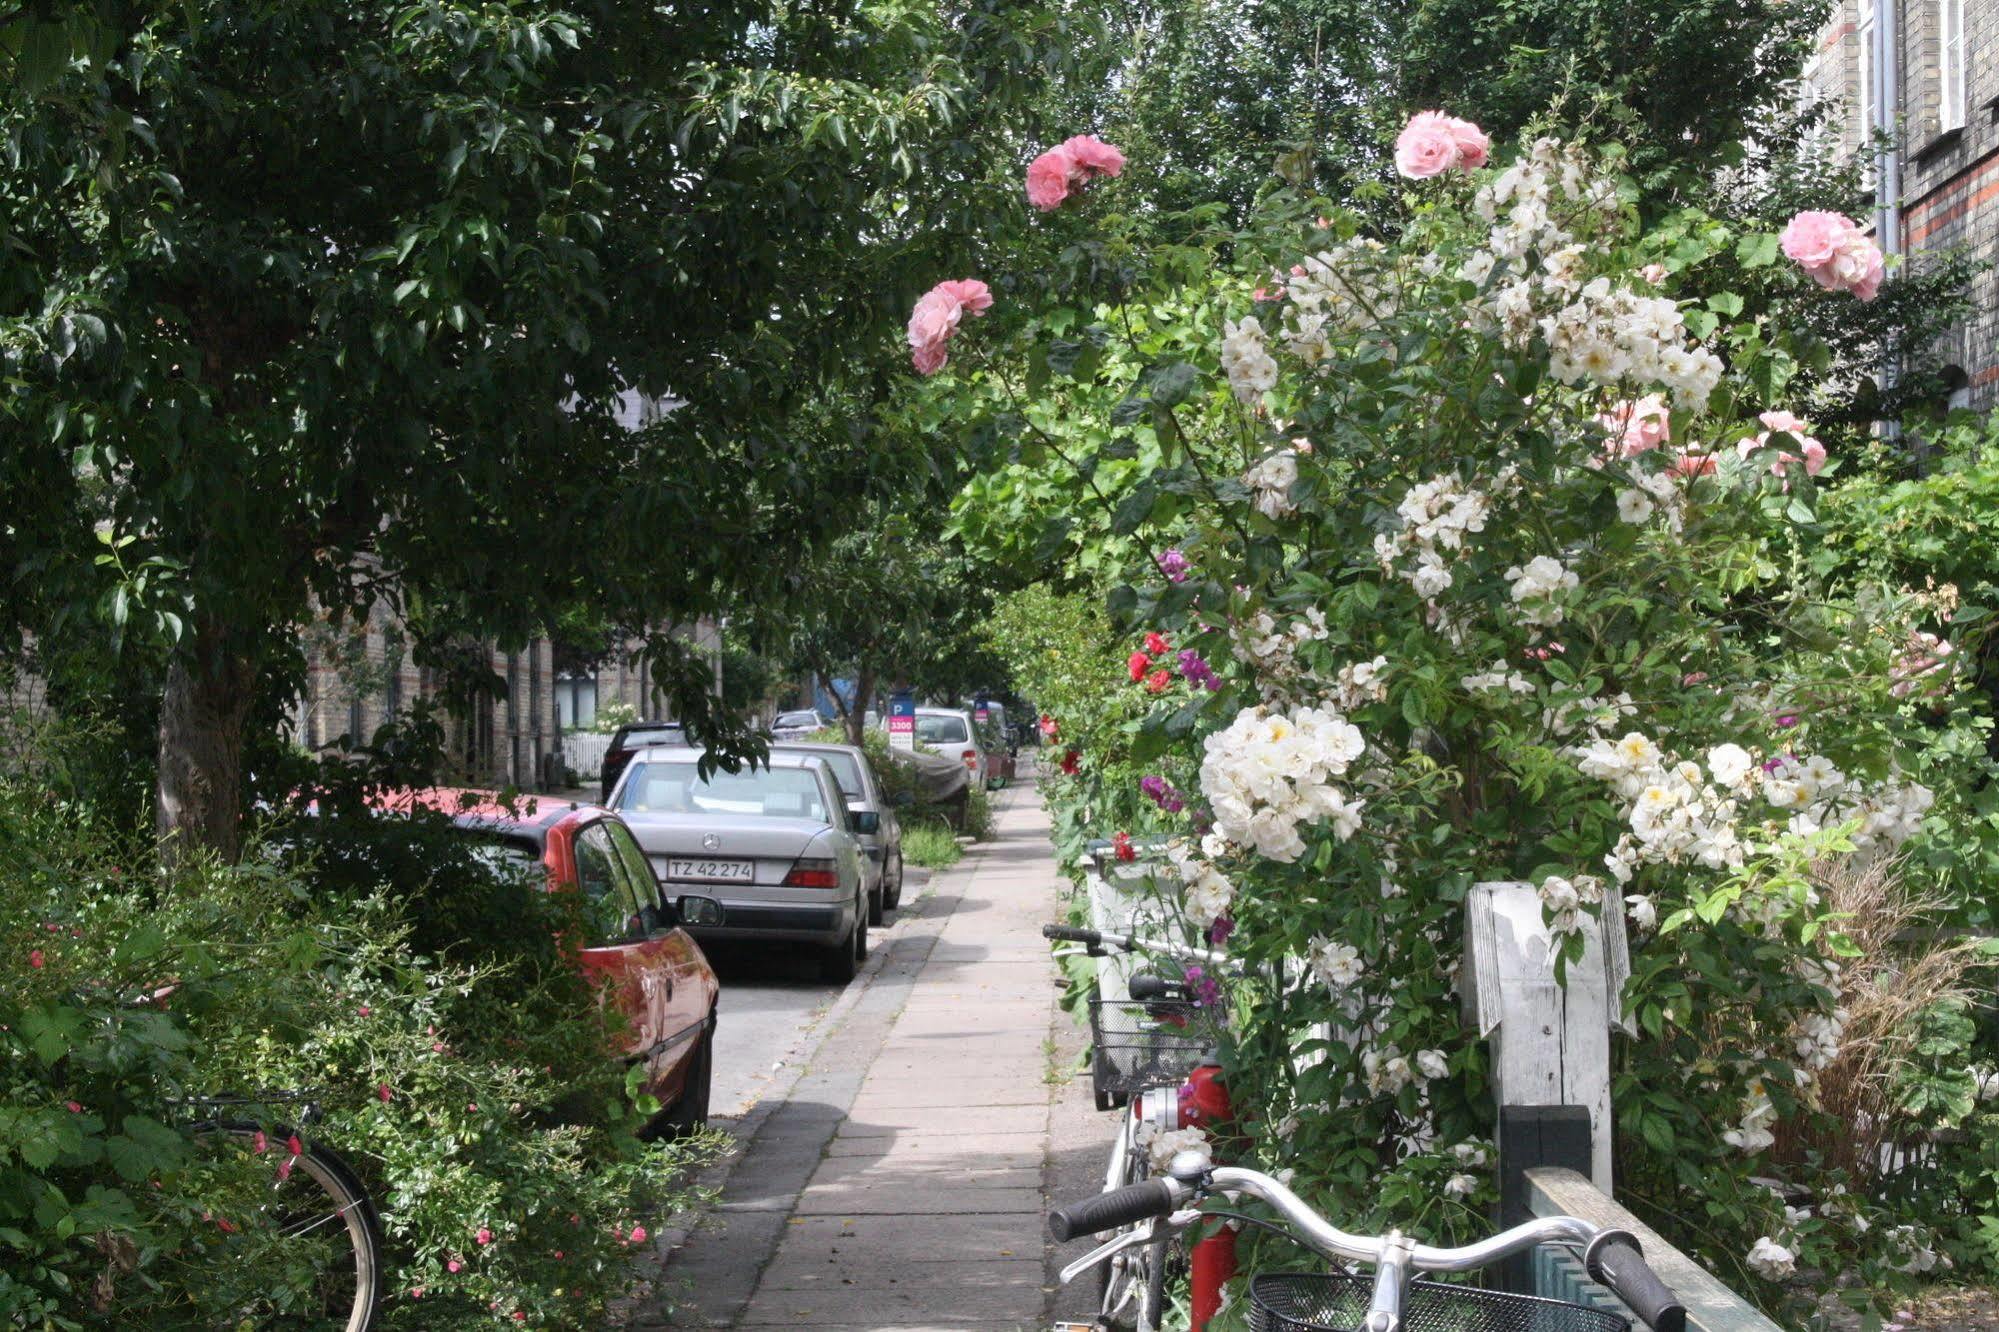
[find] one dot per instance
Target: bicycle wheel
(295, 1240)
(1132, 1285)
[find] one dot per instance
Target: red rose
(1071, 761)
(1156, 682)
(1122, 848)
(1138, 663)
(1156, 644)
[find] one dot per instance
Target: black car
(629, 740)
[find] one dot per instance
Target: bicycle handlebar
(1118, 1207)
(1611, 1255)
(1613, 1258)
(1130, 943)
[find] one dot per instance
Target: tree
(891, 604)
(307, 304)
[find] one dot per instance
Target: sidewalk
(901, 1184)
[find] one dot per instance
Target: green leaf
(1173, 384)
(1134, 509)
(1757, 250)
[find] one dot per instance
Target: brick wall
(1950, 177)
(360, 677)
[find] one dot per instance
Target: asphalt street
(772, 999)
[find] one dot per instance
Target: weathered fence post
(1551, 1040)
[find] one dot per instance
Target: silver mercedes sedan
(775, 845)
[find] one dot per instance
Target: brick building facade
(359, 677)
(1926, 72)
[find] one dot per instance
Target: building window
(1951, 90)
(575, 702)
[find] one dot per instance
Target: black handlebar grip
(1072, 934)
(1614, 1260)
(1153, 987)
(1107, 1211)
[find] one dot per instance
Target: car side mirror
(866, 820)
(700, 911)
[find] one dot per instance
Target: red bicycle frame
(1204, 1104)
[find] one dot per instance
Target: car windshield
(677, 788)
(798, 719)
(940, 730)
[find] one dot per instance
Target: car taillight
(971, 758)
(813, 873)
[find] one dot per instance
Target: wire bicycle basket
(1136, 1045)
(1299, 1302)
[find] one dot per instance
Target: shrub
(1490, 560)
(978, 819)
(931, 844)
(466, 1078)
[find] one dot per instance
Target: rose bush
(1490, 553)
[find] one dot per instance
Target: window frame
(621, 886)
(1953, 69)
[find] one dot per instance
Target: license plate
(712, 871)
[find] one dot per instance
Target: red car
(652, 970)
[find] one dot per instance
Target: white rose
(1634, 506)
(1730, 764)
(1771, 1260)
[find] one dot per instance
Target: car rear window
(678, 788)
(798, 719)
(638, 737)
(941, 730)
(846, 770)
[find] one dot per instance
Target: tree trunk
(857, 717)
(202, 716)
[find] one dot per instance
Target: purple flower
(1174, 565)
(1787, 721)
(1219, 932)
(1161, 793)
(1196, 671)
(1781, 761)
(1190, 1110)
(1207, 991)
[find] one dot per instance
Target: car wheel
(690, 1113)
(876, 901)
(842, 962)
(894, 896)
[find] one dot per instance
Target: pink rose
(1427, 146)
(936, 317)
(1868, 284)
(1092, 156)
(1812, 238)
(1473, 145)
(1692, 463)
(483, 1236)
(1653, 273)
(1048, 179)
(974, 295)
(638, 1234)
(1784, 421)
(1637, 426)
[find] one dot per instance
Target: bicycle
(299, 1241)
(1154, 1058)
(1389, 1300)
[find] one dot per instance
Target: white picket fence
(584, 752)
